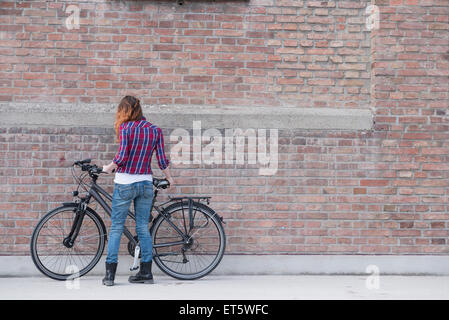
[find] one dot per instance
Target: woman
(133, 182)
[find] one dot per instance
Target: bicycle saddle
(160, 183)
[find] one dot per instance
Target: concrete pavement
(234, 287)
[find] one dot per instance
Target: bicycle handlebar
(85, 166)
(81, 162)
(94, 169)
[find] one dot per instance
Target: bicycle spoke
(55, 259)
(200, 254)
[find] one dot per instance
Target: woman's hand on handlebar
(171, 181)
(169, 178)
(110, 168)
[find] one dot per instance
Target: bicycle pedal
(135, 265)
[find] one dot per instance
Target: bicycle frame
(96, 191)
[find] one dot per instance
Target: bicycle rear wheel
(204, 250)
(59, 262)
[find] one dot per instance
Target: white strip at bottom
(23, 266)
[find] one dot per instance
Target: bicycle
(188, 236)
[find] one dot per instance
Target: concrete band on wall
(180, 116)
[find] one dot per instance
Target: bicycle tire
(99, 224)
(205, 210)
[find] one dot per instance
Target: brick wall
(299, 53)
(382, 191)
(411, 94)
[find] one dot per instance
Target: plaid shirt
(138, 140)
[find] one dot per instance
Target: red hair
(129, 109)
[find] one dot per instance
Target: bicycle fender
(68, 204)
(202, 205)
(194, 203)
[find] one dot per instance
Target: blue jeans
(142, 194)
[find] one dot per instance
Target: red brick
(372, 183)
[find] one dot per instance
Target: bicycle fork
(69, 241)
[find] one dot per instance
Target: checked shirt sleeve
(160, 152)
(122, 156)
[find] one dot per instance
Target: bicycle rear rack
(190, 199)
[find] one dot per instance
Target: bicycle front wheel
(202, 252)
(58, 261)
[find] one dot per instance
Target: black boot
(108, 279)
(144, 275)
